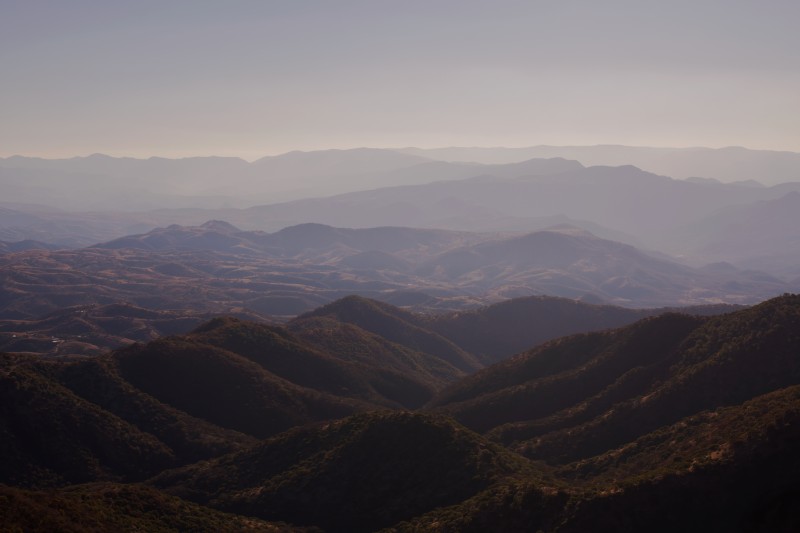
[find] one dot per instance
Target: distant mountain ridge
(89, 183)
(215, 268)
(760, 235)
(364, 188)
(622, 198)
(21, 246)
(729, 164)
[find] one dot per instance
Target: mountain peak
(568, 229)
(221, 226)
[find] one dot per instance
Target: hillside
(564, 261)
(103, 507)
(397, 326)
(94, 329)
(216, 269)
(363, 473)
(318, 242)
(335, 371)
(179, 399)
(580, 396)
(731, 469)
(225, 388)
(674, 422)
(498, 331)
(400, 364)
(51, 436)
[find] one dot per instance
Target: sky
(253, 78)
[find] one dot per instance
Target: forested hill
(674, 422)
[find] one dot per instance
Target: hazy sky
(251, 78)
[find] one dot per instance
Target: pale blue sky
(251, 78)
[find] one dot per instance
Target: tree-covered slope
(582, 395)
(358, 474)
(397, 326)
(676, 422)
(733, 469)
(104, 507)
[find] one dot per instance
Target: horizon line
(394, 149)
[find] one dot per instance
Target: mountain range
(89, 182)
(675, 421)
(82, 201)
(463, 339)
(216, 268)
(621, 203)
(729, 164)
(762, 235)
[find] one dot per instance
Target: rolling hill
(217, 269)
(583, 395)
(363, 473)
(731, 469)
(498, 331)
(94, 329)
(675, 421)
(397, 326)
(94, 508)
(564, 261)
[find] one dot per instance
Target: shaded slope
(182, 399)
(675, 422)
(583, 395)
(224, 388)
(498, 331)
(99, 508)
(190, 438)
(350, 342)
(728, 360)
(51, 436)
(280, 352)
(408, 376)
(732, 469)
(77, 420)
(712, 437)
(357, 474)
(397, 326)
(504, 329)
(566, 372)
(737, 471)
